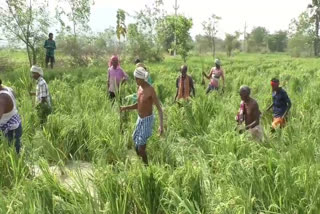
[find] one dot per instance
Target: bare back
(145, 100)
(6, 103)
(252, 112)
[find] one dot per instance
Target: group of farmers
(248, 116)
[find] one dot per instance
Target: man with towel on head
(281, 104)
(250, 114)
(146, 98)
(10, 121)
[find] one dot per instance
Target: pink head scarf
(114, 58)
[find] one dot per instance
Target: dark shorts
(211, 88)
(14, 136)
(50, 59)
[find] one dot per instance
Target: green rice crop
(200, 165)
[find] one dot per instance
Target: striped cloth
(12, 124)
(143, 130)
(42, 91)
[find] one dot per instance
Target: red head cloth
(274, 84)
(114, 58)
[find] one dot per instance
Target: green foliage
(142, 39)
(23, 22)
(278, 41)
(210, 28)
(200, 165)
(301, 36)
(231, 42)
(121, 25)
(257, 41)
(181, 26)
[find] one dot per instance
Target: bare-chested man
(146, 98)
(250, 114)
(10, 122)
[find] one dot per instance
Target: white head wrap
(37, 69)
(141, 73)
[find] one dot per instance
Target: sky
(273, 14)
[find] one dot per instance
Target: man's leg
(51, 61)
(208, 89)
(143, 153)
(47, 61)
(18, 134)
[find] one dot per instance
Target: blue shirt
(281, 102)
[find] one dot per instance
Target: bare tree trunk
(316, 40)
(29, 55)
(34, 55)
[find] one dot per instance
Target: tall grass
(200, 165)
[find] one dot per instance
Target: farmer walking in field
(116, 76)
(50, 45)
(146, 99)
(214, 77)
(281, 104)
(184, 85)
(43, 101)
(10, 121)
(250, 114)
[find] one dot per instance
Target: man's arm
(207, 76)
(54, 45)
(177, 86)
(126, 108)
(288, 101)
(45, 44)
(157, 103)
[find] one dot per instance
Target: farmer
(43, 101)
(184, 85)
(50, 45)
(146, 98)
(116, 76)
(10, 122)
(250, 114)
(214, 76)
(281, 104)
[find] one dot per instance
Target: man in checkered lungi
(146, 98)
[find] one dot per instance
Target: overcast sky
(272, 14)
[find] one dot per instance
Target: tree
(278, 41)
(73, 16)
(210, 28)
(232, 42)
(301, 36)
(258, 39)
(181, 25)
(25, 21)
(142, 35)
(315, 17)
(121, 26)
